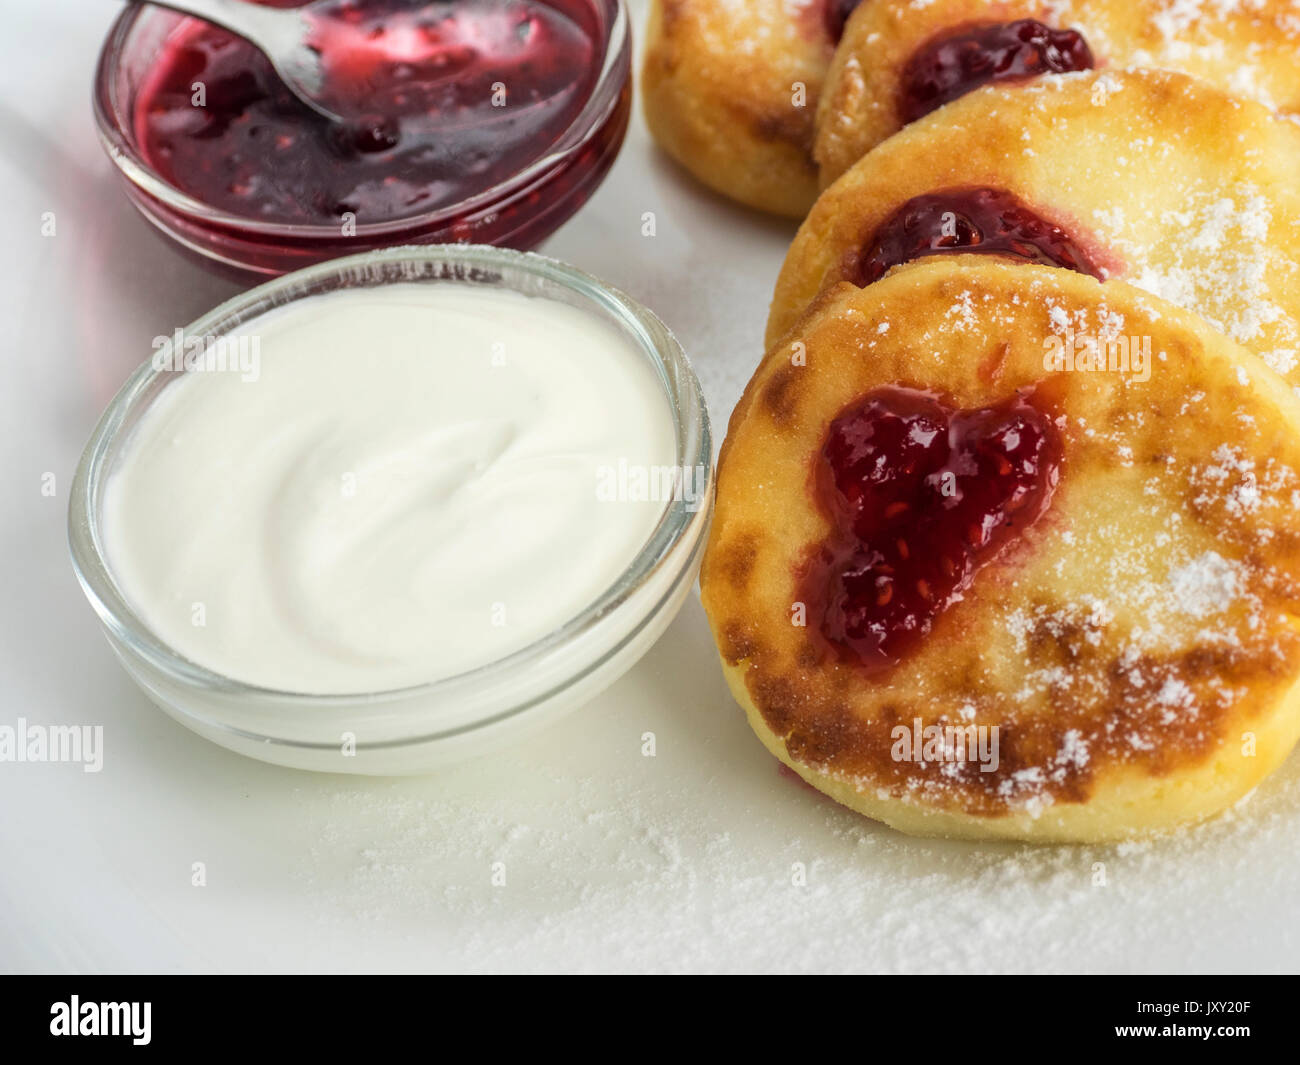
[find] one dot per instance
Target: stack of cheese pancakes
(1007, 541)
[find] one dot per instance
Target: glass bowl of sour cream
(397, 509)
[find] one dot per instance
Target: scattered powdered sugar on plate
(730, 867)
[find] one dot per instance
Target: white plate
(688, 860)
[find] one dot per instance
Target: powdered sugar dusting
(1205, 586)
(642, 871)
(1220, 267)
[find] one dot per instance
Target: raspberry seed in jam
(956, 63)
(921, 497)
(974, 221)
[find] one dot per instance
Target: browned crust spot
(793, 127)
(781, 394)
(821, 730)
(736, 560)
(737, 642)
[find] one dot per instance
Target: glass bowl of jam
(507, 118)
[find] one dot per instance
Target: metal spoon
(283, 35)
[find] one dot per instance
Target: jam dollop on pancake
(980, 220)
(999, 498)
(963, 59)
(920, 497)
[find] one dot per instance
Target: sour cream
(387, 486)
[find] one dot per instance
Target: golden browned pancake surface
(1250, 48)
(1138, 647)
(1178, 187)
(730, 91)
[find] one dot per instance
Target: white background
(683, 861)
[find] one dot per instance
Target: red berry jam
(957, 62)
(442, 101)
(969, 221)
(836, 14)
(921, 497)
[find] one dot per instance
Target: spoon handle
(238, 16)
(280, 33)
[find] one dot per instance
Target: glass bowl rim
(683, 397)
(613, 77)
